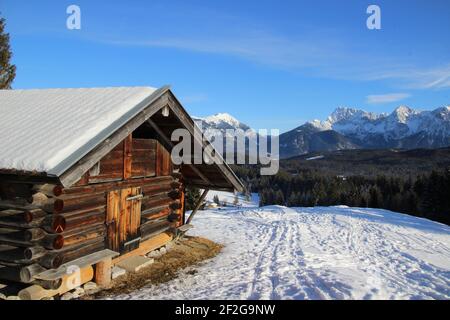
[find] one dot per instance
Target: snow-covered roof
(48, 130)
(62, 133)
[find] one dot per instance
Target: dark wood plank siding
(127, 156)
(143, 158)
(111, 166)
(163, 161)
(132, 158)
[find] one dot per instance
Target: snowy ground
(315, 253)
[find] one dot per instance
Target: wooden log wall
(160, 206)
(44, 225)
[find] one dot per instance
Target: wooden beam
(170, 144)
(14, 176)
(147, 246)
(189, 124)
(197, 206)
(127, 154)
(69, 282)
(108, 186)
(103, 273)
(81, 263)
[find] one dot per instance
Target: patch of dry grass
(184, 253)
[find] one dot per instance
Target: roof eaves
(76, 156)
(231, 177)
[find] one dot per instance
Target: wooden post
(197, 206)
(169, 143)
(103, 273)
(127, 156)
(69, 282)
(182, 210)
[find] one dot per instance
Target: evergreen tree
(216, 199)
(319, 194)
(426, 194)
(192, 197)
(363, 202)
(248, 196)
(293, 200)
(375, 197)
(262, 199)
(279, 197)
(236, 200)
(430, 198)
(7, 70)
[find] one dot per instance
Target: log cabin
(87, 175)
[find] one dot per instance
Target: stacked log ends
(52, 260)
(27, 273)
(32, 231)
(48, 189)
(173, 217)
(175, 205)
(161, 207)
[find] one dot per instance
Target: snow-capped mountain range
(224, 122)
(350, 128)
(401, 123)
(221, 121)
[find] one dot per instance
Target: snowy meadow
(276, 252)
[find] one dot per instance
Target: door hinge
(131, 241)
(137, 197)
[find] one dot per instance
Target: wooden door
(123, 219)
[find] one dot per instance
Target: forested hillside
(406, 184)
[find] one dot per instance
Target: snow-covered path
(315, 253)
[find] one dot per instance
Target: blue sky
(271, 64)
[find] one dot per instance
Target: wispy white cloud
(316, 57)
(194, 98)
(437, 77)
(255, 46)
(386, 98)
(310, 50)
